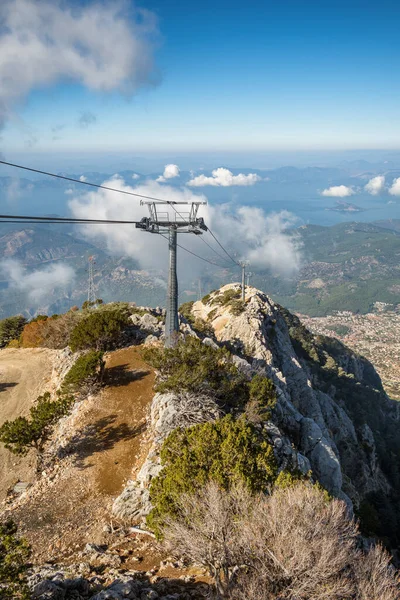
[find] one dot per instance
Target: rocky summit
(316, 425)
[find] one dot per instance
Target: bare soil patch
(24, 375)
(71, 504)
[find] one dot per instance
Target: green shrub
(39, 318)
(205, 299)
(10, 329)
(262, 390)
(14, 554)
(85, 373)
(99, 329)
(211, 314)
(22, 434)
(198, 324)
(262, 399)
(194, 366)
(186, 311)
(227, 297)
(227, 451)
(237, 307)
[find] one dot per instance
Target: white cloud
(13, 191)
(99, 45)
(82, 178)
(170, 172)
(37, 284)
(126, 240)
(338, 191)
(261, 238)
(376, 185)
(224, 178)
(135, 176)
(394, 190)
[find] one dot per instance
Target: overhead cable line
(30, 219)
(103, 187)
(193, 253)
(64, 220)
(226, 251)
(96, 185)
(214, 250)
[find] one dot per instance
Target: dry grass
(295, 545)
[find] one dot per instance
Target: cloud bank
(376, 185)
(103, 46)
(247, 231)
(170, 172)
(338, 191)
(394, 189)
(224, 178)
(126, 240)
(39, 284)
(261, 238)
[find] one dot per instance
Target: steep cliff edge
(332, 415)
(331, 401)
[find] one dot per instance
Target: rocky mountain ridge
(312, 425)
(332, 417)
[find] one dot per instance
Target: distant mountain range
(37, 247)
(348, 266)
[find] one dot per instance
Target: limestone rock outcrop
(314, 386)
(315, 424)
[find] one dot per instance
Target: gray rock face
(52, 584)
(315, 421)
(325, 463)
(310, 427)
(148, 323)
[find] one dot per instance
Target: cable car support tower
(161, 222)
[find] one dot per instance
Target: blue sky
(234, 76)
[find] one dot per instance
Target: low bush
(186, 311)
(86, 373)
(211, 315)
(194, 366)
(99, 329)
(24, 433)
(39, 318)
(262, 399)
(237, 307)
(91, 304)
(294, 544)
(198, 324)
(227, 297)
(10, 329)
(52, 332)
(14, 554)
(226, 451)
(32, 334)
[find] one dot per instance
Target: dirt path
(24, 375)
(71, 505)
(110, 440)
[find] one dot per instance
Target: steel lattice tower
(91, 296)
(162, 223)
